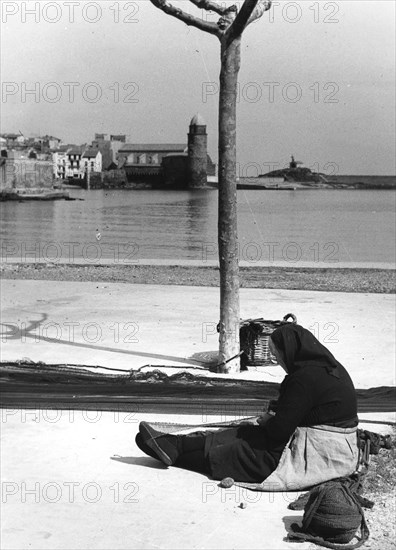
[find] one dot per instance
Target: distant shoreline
(264, 183)
(352, 182)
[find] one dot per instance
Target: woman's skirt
(242, 453)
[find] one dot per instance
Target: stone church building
(173, 165)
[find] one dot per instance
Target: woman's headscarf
(301, 349)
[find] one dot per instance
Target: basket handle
(288, 315)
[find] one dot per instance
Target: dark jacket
(309, 397)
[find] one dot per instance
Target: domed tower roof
(198, 120)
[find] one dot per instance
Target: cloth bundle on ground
(332, 516)
(312, 456)
(354, 482)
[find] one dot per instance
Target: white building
(72, 161)
(60, 161)
(74, 165)
(91, 161)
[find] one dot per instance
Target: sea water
(292, 227)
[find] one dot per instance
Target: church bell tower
(197, 153)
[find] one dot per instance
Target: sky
(317, 79)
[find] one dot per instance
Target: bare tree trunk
(229, 29)
(227, 221)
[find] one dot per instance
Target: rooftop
(198, 120)
(10, 136)
(75, 150)
(91, 153)
(51, 138)
(150, 147)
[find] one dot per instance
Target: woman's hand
(262, 420)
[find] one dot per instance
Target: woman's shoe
(163, 445)
(145, 448)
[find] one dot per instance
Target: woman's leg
(195, 461)
(184, 451)
(192, 442)
(235, 452)
(192, 453)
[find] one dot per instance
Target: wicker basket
(254, 338)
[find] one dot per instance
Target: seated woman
(316, 391)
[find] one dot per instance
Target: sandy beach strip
(361, 280)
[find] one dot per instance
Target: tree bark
(227, 220)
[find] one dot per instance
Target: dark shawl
(301, 349)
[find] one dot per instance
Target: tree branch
(188, 19)
(260, 9)
(208, 5)
(250, 11)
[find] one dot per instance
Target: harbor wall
(111, 179)
(26, 174)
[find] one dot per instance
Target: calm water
(125, 226)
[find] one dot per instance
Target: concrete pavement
(81, 483)
(128, 326)
(75, 479)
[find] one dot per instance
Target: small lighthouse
(197, 153)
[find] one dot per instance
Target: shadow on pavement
(140, 461)
(288, 520)
(14, 332)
